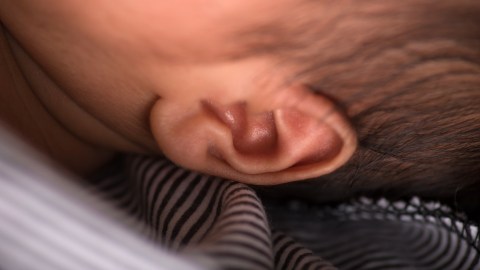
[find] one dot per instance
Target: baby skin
(262, 92)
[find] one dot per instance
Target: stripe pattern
(225, 225)
(48, 221)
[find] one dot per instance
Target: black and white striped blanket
(224, 225)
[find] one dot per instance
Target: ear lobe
(293, 141)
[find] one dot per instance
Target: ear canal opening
(251, 134)
(259, 136)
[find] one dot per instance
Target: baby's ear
(300, 136)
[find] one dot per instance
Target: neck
(24, 109)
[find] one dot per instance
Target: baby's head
(268, 92)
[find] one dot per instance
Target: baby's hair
(408, 76)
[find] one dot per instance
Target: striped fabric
(47, 222)
(213, 219)
(169, 218)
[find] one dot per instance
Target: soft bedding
(226, 222)
(171, 218)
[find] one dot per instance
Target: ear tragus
(252, 134)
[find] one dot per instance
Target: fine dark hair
(407, 74)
